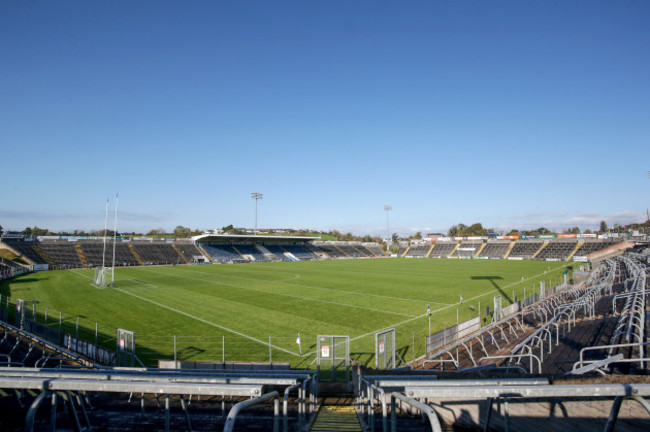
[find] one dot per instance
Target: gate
(20, 313)
(385, 349)
(333, 358)
(125, 348)
(497, 309)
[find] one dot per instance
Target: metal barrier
(232, 415)
(619, 392)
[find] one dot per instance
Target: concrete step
(336, 418)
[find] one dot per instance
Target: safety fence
(451, 335)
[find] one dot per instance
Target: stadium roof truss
(250, 238)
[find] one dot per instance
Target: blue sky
(510, 113)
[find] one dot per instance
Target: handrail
(73, 356)
(232, 415)
(431, 414)
(531, 355)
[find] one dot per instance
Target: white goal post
(103, 277)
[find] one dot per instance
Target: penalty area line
(207, 322)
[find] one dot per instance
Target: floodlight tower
(256, 196)
(388, 208)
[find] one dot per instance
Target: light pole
(388, 208)
(256, 196)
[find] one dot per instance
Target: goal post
(103, 277)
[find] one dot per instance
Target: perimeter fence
(100, 342)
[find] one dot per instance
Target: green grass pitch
(248, 307)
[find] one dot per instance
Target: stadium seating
(223, 253)
(156, 253)
(495, 249)
(252, 251)
(300, 252)
(188, 249)
(467, 249)
(442, 249)
(96, 255)
(591, 246)
(375, 249)
(62, 252)
(419, 251)
(26, 248)
(279, 252)
(525, 249)
(331, 250)
(557, 250)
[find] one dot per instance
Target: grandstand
(467, 249)
(62, 253)
(525, 249)
(417, 251)
(533, 354)
(543, 350)
(443, 249)
(559, 250)
(495, 249)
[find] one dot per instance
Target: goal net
(103, 277)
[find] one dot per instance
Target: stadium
(346, 293)
(315, 320)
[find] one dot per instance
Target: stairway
(136, 255)
(181, 254)
(43, 255)
(546, 243)
(578, 246)
(81, 254)
(205, 254)
(341, 418)
(512, 245)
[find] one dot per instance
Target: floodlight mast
(256, 196)
(388, 208)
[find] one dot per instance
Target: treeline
(179, 232)
(477, 230)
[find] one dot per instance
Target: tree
(156, 232)
(476, 230)
(395, 238)
(182, 232)
(1, 230)
(456, 230)
(603, 226)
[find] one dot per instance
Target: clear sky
(510, 113)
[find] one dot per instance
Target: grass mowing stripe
(311, 298)
(281, 282)
(206, 321)
(284, 295)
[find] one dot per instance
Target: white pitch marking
(193, 317)
(434, 311)
(280, 282)
(205, 321)
(285, 295)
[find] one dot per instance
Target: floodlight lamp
(388, 207)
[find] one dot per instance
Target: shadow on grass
(492, 280)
